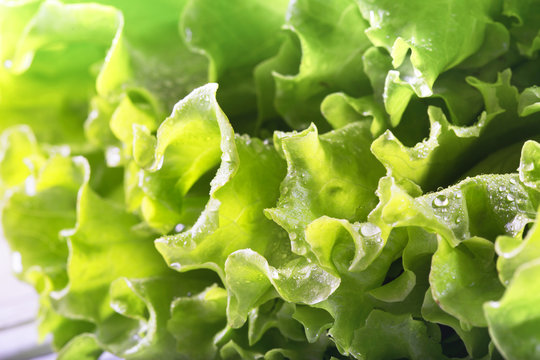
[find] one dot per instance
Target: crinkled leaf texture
(232, 236)
(151, 228)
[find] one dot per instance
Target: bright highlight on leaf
(248, 179)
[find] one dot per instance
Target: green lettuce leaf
(186, 146)
(404, 30)
(476, 340)
(90, 275)
(332, 40)
(525, 27)
(326, 175)
(46, 80)
(234, 214)
(221, 31)
(154, 220)
(513, 320)
(463, 278)
(196, 320)
(428, 162)
(145, 305)
(395, 337)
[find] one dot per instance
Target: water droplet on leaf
(440, 201)
(368, 230)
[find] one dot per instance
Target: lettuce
(355, 179)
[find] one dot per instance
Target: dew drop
(179, 227)
(513, 181)
(226, 157)
(502, 188)
(528, 166)
(16, 262)
(368, 230)
(510, 197)
(440, 201)
(30, 185)
(390, 136)
(188, 34)
(113, 156)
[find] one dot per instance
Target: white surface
(18, 309)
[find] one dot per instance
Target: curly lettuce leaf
(84, 346)
(186, 146)
(428, 162)
(420, 53)
(476, 340)
(20, 156)
(234, 44)
(486, 206)
(196, 320)
(46, 81)
(45, 207)
(39, 206)
(304, 263)
(517, 250)
(332, 41)
(463, 278)
(358, 275)
(234, 212)
(394, 336)
(529, 101)
(333, 174)
(103, 231)
(145, 308)
(274, 314)
(229, 210)
(251, 281)
(514, 320)
(525, 27)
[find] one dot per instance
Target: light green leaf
(252, 281)
(187, 146)
(332, 174)
(404, 30)
(103, 232)
(525, 28)
(195, 321)
(529, 101)
(476, 339)
(514, 320)
(516, 251)
(145, 306)
(387, 336)
(332, 39)
(485, 206)
(462, 278)
(221, 31)
(84, 347)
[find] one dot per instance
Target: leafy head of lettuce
(196, 179)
